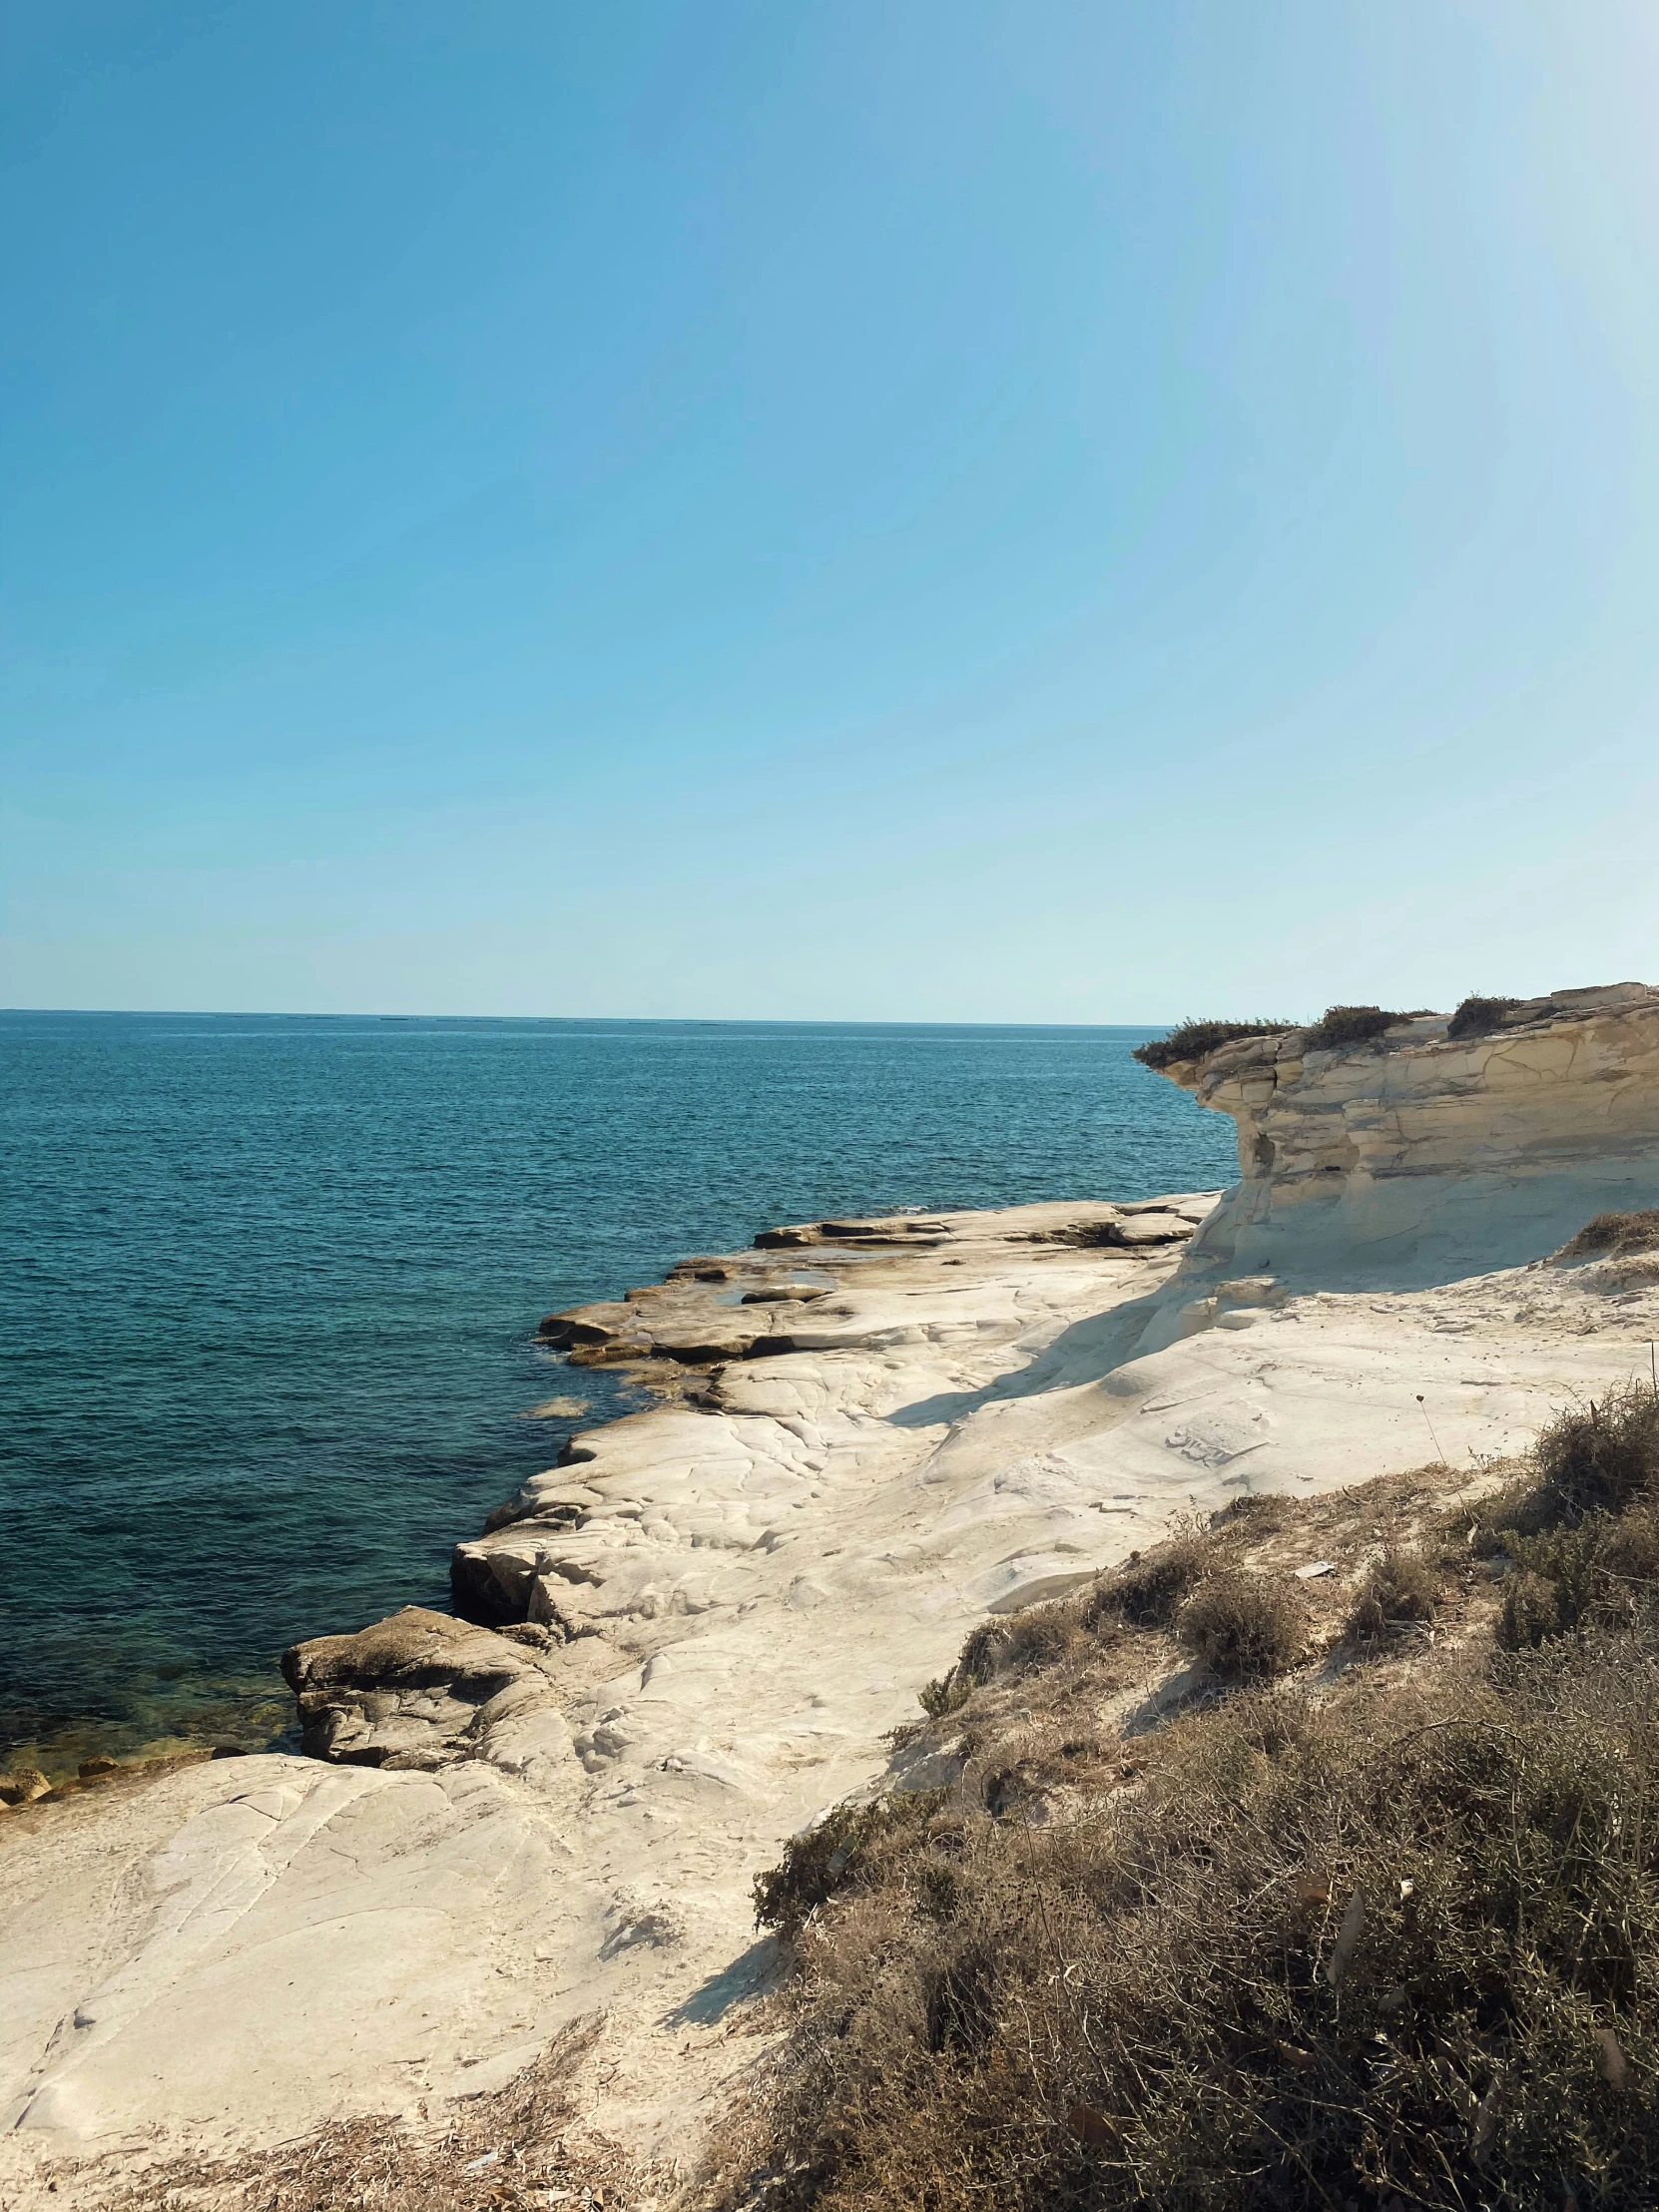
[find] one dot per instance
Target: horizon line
(664, 1021)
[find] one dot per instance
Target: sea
(270, 1285)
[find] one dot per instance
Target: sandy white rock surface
(729, 1603)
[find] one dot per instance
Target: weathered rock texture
(702, 1483)
(422, 1690)
(707, 1623)
(1420, 1158)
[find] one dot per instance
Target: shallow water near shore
(271, 1284)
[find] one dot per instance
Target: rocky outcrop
(700, 1483)
(1421, 1157)
(420, 1691)
(749, 1305)
(729, 1306)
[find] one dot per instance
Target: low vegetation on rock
(1148, 1591)
(1402, 1585)
(1614, 1237)
(1340, 1025)
(1337, 1025)
(1191, 1039)
(1477, 1017)
(1246, 1627)
(1362, 1936)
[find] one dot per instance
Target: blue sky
(937, 510)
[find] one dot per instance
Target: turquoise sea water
(271, 1285)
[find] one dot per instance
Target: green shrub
(945, 1693)
(1601, 1573)
(841, 1852)
(1192, 1039)
(1037, 1637)
(1531, 1612)
(1522, 1507)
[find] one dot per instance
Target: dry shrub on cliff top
(1035, 1638)
(1603, 1456)
(1191, 1039)
(1148, 1591)
(1340, 1025)
(1244, 1626)
(1477, 1017)
(1398, 1947)
(1401, 1585)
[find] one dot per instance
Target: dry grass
(1369, 1938)
(1402, 1585)
(1614, 1237)
(511, 2149)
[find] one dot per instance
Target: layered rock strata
(750, 1305)
(1421, 1157)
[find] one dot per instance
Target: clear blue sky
(939, 510)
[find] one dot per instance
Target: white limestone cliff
(1420, 1158)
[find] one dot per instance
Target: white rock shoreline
(701, 1629)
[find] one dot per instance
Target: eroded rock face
(420, 1691)
(1418, 1157)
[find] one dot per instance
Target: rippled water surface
(271, 1282)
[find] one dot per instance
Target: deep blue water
(269, 1286)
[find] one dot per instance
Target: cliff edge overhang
(1420, 1157)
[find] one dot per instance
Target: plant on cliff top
(1476, 1016)
(1603, 1457)
(1191, 1039)
(1148, 1591)
(1355, 1026)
